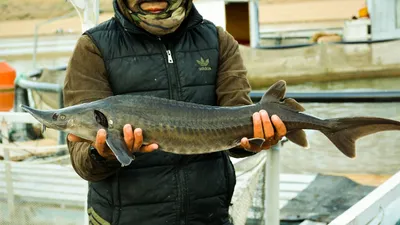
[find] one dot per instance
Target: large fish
(187, 128)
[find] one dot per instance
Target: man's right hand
(133, 140)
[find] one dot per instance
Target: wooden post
(8, 176)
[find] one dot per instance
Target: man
(162, 49)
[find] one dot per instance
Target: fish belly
(190, 141)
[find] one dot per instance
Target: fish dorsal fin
(293, 105)
(275, 93)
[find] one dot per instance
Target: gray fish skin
(187, 128)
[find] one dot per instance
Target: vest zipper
(176, 83)
(169, 57)
(173, 82)
(182, 186)
(164, 49)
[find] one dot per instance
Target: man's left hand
(263, 127)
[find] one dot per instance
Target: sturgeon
(189, 128)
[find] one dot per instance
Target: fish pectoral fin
(298, 137)
(257, 141)
(118, 146)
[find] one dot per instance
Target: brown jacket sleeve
(233, 87)
(86, 81)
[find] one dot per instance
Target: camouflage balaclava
(161, 23)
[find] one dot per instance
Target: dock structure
(300, 41)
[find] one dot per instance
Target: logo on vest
(203, 64)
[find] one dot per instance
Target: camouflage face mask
(161, 23)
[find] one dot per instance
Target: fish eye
(57, 116)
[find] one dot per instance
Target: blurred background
(317, 46)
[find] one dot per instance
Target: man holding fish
(164, 49)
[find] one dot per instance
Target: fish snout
(49, 118)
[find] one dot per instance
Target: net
(48, 192)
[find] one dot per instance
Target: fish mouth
(47, 118)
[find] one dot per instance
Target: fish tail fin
(345, 131)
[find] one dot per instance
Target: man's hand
(263, 127)
(133, 140)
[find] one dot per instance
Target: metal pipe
(272, 179)
(332, 97)
(365, 42)
(283, 37)
(61, 134)
(254, 24)
(277, 47)
(274, 47)
(39, 86)
(90, 14)
(313, 30)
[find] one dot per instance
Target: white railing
(39, 185)
(36, 182)
(381, 206)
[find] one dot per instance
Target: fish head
(54, 119)
(81, 121)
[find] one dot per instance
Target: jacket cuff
(98, 159)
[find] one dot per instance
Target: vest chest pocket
(137, 74)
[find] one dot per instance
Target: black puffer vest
(161, 188)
